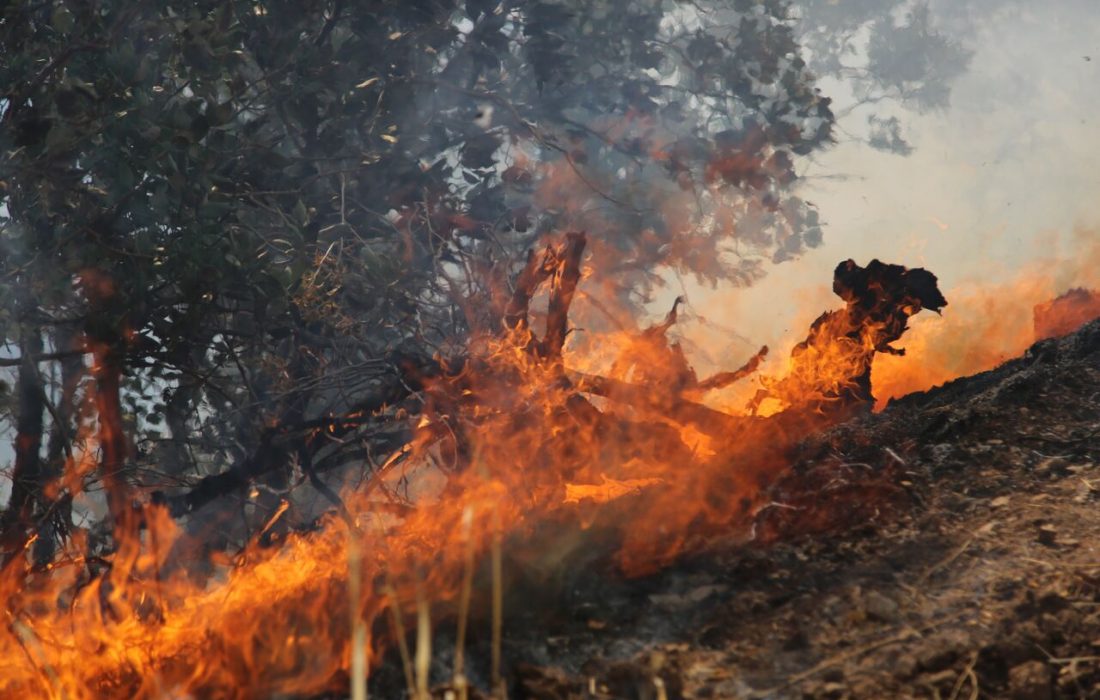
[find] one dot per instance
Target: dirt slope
(948, 547)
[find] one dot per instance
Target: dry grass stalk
(423, 644)
(459, 681)
(30, 643)
(398, 625)
(498, 607)
(359, 660)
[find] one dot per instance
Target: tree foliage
(891, 54)
(251, 211)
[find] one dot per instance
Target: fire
(1066, 314)
(990, 323)
(831, 368)
(521, 433)
(609, 490)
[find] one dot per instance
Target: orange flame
(539, 446)
(988, 324)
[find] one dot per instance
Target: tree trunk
(18, 519)
(112, 439)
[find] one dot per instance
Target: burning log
(830, 371)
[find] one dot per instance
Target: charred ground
(946, 547)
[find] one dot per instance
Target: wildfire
(519, 434)
(990, 323)
(608, 490)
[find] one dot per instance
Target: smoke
(1001, 179)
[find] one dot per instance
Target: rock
(905, 665)
(1048, 534)
(940, 651)
(1051, 465)
(880, 607)
(691, 597)
(1029, 681)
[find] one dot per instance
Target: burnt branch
(537, 270)
(724, 379)
(563, 286)
(677, 408)
(410, 376)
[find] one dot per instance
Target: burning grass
(512, 439)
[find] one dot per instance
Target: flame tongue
(608, 490)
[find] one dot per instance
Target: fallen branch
(724, 379)
(682, 410)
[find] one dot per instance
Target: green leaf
(62, 20)
(301, 214)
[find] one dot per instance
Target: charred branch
(410, 375)
(537, 270)
(724, 379)
(677, 408)
(563, 285)
(108, 378)
(28, 443)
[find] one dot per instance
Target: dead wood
(537, 270)
(724, 379)
(562, 287)
(673, 406)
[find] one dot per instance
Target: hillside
(946, 547)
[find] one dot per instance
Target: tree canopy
(224, 224)
(241, 213)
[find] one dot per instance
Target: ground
(948, 547)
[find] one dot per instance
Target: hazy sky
(1000, 177)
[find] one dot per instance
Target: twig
(1067, 565)
(967, 674)
(850, 654)
(43, 357)
(897, 458)
(950, 558)
(1064, 660)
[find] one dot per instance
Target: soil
(948, 547)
